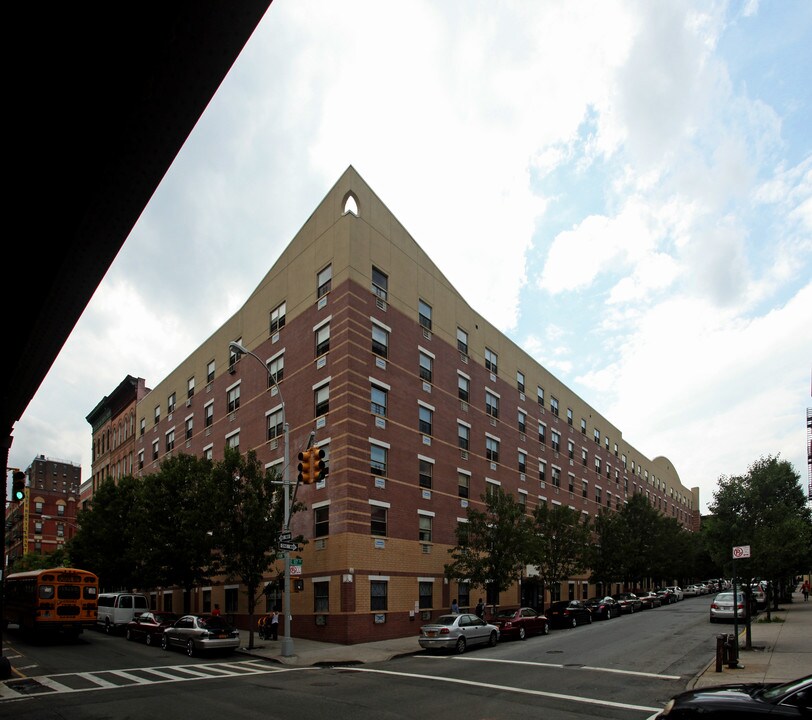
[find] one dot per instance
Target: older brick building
(419, 404)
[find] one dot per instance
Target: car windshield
(445, 620)
(778, 690)
(165, 617)
(505, 614)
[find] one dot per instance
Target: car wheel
(129, 634)
(107, 627)
(522, 634)
(589, 620)
(574, 622)
(190, 648)
(546, 630)
(460, 646)
(492, 639)
(164, 642)
(631, 609)
(149, 639)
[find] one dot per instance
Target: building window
(556, 437)
(597, 466)
(463, 485)
(322, 339)
(542, 434)
(233, 398)
(170, 440)
(491, 404)
(426, 365)
(170, 403)
(583, 426)
(521, 500)
(233, 355)
(522, 421)
(491, 361)
(542, 471)
(520, 381)
(492, 449)
(598, 495)
(378, 590)
(378, 520)
(380, 283)
(569, 416)
(491, 489)
(60, 531)
(425, 470)
(555, 473)
(276, 425)
(140, 459)
(424, 314)
(38, 527)
(324, 281)
(277, 318)
(155, 449)
(540, 396)
(189, 427)
(321, 521)
(378, 400)
(571, 481)
(463, 436)
(424, 524)
(208, 413)
(380, 341)
(554, 406)
(462, 341)
(233, 441)
(522, 458)
(208, 453)
(377, 460)
(321, 596)
(425, 417)
(596, 436)
(570, 449)
(143, 426)
(190, 387)
(463, 387)
(210, 371)
(425, 591)
(157, 414)
(584, 456)
(584, 488)
(232, 596)
(322, 399)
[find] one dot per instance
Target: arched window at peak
(351, 204)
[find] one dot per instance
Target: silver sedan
(198, 633)
(457, 632)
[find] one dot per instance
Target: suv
(115, 610)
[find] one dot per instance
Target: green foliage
(494, 545)
(40, 561)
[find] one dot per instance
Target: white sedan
(457, 632)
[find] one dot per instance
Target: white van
(115, 610)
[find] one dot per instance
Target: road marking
(507, 688)
(656, 676)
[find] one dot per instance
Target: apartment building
(420, 405)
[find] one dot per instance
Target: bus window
(46, 592)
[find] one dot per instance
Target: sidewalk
(781, 650)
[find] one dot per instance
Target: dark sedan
(568, 613)
(629, 602)
(742, 701)
(650, 600)
(149, 626)
(603, 608)
(519, 622)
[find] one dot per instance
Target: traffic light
(18, 487)
(318, 469)
(298, 585)
(305, 467)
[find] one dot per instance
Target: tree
(40, 561)
(174, 526)
(493, 546)
(558, 545)
(607, 556)
(103, 542)
(250, 505)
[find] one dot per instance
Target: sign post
(739, 551)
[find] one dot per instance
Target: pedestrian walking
(805, 590)
(480, 609)
(455, 608)
(274, 625)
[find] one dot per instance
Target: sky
(637, 174)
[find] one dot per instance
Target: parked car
(691, 591)
(149, 626)
(759, 597)
(722, 607)
(649, 599)
(629, 602)
(201, 633)
(114, 610)
(603, 608)
(677, 590)
(666, 596)
(457, 632)
(742, 700)
(519, 622)
(568, 613)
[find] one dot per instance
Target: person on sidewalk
(480, 609)
(274, 625)
(455, 608)
(805, 590)
(216, 610)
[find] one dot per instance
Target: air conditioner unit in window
(232, 369)
(189, 402)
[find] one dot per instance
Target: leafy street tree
(607, 556)
(558, 544)
(104, 542)
(250, 506)
(174, 526)
(643, 525)
(40, 561)
(493, 546)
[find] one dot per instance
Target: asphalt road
(623, 668)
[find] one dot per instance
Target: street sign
(295, 569)
(741, 551)
(285, 535)
(296, 561)
(288, 546)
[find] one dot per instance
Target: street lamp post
(287, 640)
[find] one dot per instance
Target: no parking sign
(741, 551)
